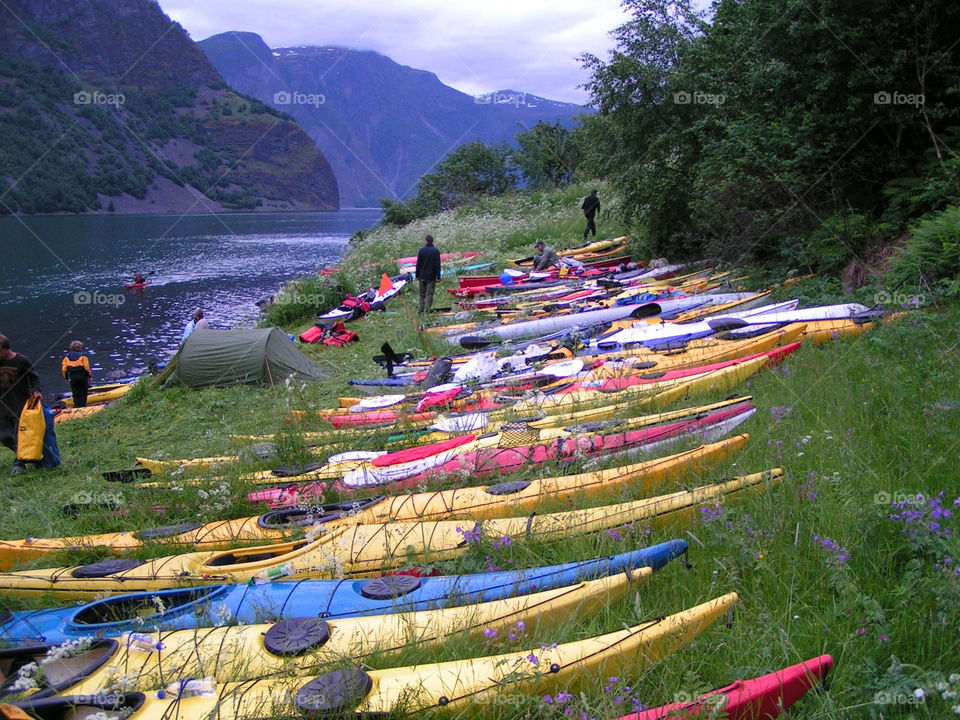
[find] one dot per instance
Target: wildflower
(710, 513)
(919, 693)
(861, 631)
(534, 660)
(470, 535)
(840, 554)
(779, 412)
(489, 633)
(884, 638)
(611, 533)
(502, 542)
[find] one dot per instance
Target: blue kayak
(228, 604)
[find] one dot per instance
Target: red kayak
(762, 698)
(137, 285)
(467, 281)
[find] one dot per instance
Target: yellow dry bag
(30, 431)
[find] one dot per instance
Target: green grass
(819, 564)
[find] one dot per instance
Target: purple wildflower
(534, 660)
(709, 513)
(472, 535)
(779, 412)
(489, 633)
(839, 554)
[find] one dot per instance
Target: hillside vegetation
(855, 554)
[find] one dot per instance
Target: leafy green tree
(547, 155)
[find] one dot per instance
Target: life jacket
(75, 365)
(338, 335)
(354, 302)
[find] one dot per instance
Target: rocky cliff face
(381, 124)
(108, 105)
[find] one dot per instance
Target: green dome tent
(226, 357)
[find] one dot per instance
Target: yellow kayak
(95, 398)
(477, 502)
(299, 646)
(357, 550)
(464, 684)
(720, 380)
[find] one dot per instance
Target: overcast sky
(476, 46)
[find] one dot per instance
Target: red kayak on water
(137, 285)
(762, 698)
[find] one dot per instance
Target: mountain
(382, 124)
(108, 104)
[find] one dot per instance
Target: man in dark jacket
(427, 272)
(590, 207)
(18, 382)
(547, 257)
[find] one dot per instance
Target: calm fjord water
(63, 279)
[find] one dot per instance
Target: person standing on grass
(18, 383)
(76, 370)
(427, 272)
(590, 207)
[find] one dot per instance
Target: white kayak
(644, 334)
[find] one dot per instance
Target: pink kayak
(488, 461)
(762, 698)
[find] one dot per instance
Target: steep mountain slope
(108, 104)
(381, 124)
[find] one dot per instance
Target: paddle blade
(722, 324)
(475, 342)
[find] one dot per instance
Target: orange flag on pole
(385, 285)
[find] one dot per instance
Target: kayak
(453, 685)
(246, 604)
(505, 460)
(476, 502)
(431, 444)
(296, 646)
(516, 448)
(136, 285)
(719, 380)
(66, 414)
(705, 455)
(95, 398)
(761, 698)
(587, 249)
(656, 396)
(351, 551)
(656, 393)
